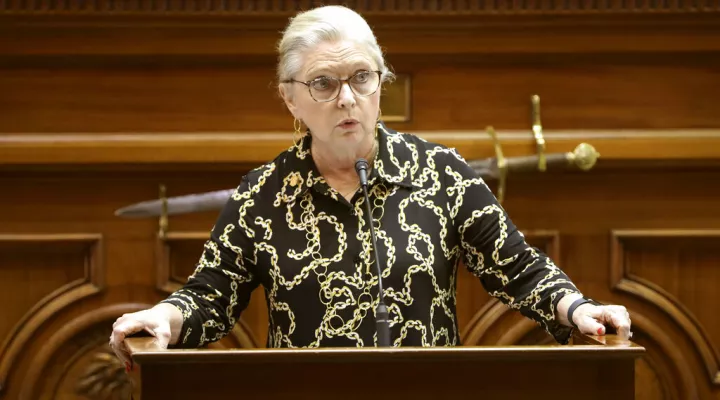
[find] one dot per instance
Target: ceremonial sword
(494, 168)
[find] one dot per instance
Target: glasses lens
(365, 83)
(324, 88)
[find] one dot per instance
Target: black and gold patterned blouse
(284, 228)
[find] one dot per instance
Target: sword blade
(177, 205)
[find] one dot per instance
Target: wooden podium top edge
(144, 350)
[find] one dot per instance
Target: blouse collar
(396, 163)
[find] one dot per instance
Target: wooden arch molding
(622, 280)
(67, 332)
(483, 320)
(669, 350)
(92, 283)
(495, 310)
(239, 336)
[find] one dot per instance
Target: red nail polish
(600, 331)
(127, 367)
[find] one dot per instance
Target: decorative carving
(432, 7)
(100, 374)
(494, 311)
(663, 356)
(91, 283)
(623, 280)
(668, 361)
(87, 334)
(648, 382)
(105, 378)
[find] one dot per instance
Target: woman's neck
(340, 169)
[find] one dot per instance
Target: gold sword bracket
(163, 219)
(537, 132)
(501, 163)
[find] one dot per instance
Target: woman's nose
(346, 97)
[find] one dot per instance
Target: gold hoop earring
(297, 134)
(377, 123)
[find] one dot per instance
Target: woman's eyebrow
(358, 66)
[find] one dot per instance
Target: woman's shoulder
(260, 174)
(269, 178)
(427, 148)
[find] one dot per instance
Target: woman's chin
(350, 137)
(349, 132)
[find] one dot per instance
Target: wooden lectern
(590, 368)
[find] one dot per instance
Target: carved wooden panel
(648, 384)
(677, 272)
(396, 99)
(77, 362)
(178, 254)
(664, 372)
(40, 274)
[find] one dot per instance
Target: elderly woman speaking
(356, 231)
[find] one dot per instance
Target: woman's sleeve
(493, 249)
(219, 289)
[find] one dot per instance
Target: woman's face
(341, 125)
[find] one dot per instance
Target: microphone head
(361, 165)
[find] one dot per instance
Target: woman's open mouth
(349, 124)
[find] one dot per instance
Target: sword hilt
(163, 220)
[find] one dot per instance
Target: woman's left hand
(591, 319)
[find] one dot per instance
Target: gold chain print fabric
(310, 249)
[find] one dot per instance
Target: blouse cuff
(558, 331)
(186, 339)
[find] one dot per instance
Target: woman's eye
(362, 77)
(321, 83)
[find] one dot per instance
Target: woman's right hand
(157, 321)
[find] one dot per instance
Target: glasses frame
(342, 82)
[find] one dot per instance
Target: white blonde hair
(310, 28)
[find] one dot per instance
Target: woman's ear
(289, 99)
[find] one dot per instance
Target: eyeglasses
(324, 88)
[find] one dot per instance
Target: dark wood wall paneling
(101, 102)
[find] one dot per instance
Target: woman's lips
(348, 124)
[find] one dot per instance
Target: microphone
(381, 311)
